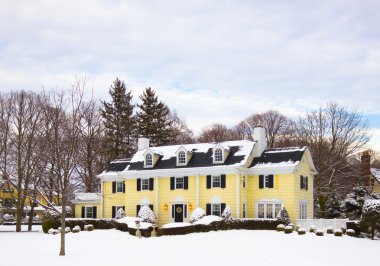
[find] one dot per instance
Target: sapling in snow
(147, 215)
(371, 217)
(283, 216)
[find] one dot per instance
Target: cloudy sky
(211, 61)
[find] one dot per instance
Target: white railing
(322, 223)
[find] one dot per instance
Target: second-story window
(179, 182)
(244, 182)
(216, 181)
(144, 184)
(218, 155)
(181, 157)
(148, 160)
(119, 186)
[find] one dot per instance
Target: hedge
(355, 225)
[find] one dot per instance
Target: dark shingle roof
(279, 155)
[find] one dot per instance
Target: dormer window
(148, 160)
(218, 156)
(181, 157)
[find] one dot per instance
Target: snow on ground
(208, 219)
(236, 247)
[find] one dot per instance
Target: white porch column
(156, 203)
(237, 196)
(101, 199)
(197, 193)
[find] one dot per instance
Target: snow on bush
(288, 229)
(197, 214)
(88, 227)
(301, 231)
(344, 229)
(350, 232)
(280, 227)
(175, 225)
(319, 232)
(76, 229)
(147, 215)
(283, 216)
(329, 230)
(338, 232)
(8, 218)
(353, 204)
(67, 230)
(370, 220)
(131, 222)
(53, 231)
(313, 229)
(120, 213)
(226, 215)
(206, 220)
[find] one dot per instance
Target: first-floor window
(8, 203)
(268, 210)
(215, 209)
(303, 210)
(89, 212)
(244, 210)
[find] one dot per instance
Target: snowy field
(112, 247)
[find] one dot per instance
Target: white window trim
(92, 211)
(265, 181)
(178, 157)
(220, 208)
(273, 202)
(212, 181)
(214, 157)
(301, 204)
(116, 189)
(175, 182)
(145, 160)
(141, 184)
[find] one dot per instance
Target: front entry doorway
(180, 212)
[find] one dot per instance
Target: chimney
(260, 138)
(142, 144)
(365, 168)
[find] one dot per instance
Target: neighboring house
(8, 199)
(174, 180)
(86, 205)
(375, 180)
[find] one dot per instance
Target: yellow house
(8, 198)
(253, 181)
(375, 180)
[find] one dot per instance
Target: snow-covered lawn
(236, 247)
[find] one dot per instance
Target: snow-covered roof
(376, 173)
(87, 197)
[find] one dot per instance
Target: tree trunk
(63, 225)
(31, 214)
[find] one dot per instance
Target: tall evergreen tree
(119, 122)
(153, 119)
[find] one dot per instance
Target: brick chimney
(365, 168)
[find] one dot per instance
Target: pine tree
(153, 119)
(119, 122)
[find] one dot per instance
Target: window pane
(148, 159)
(215, 210)
(144, 184)
(244, 210)
(119, 186)
(260, 211)
(179, 182)
(216, 181)
(277, 209)
(218, 155)
(88, 212)
(181, 157)
(269, 211)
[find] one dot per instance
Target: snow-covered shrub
(329, 230)
(313, 229)
(292, 225)
(338, 232)
(88, 227)
(350, 232)
(298, 226)
(283, 216)
(301, 231)
(352, 205)
(53, 231)
(288, 229)
(370, 221)
(226, 215)
(36, 219)
(344, 229)
(67, 230)
(197, 214)
(8, 218)
(147, 215)
(319, 232)
(76, 229)
(120, 213)
(280, 227)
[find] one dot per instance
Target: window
(181, 157)
(244, 210)
(119, 186)
(268, 210)
(218, 156)
(1, 202)
(244, 182)
(216, 181)
(372, 182)
(304, 182)
(144, 184)
(148, 160)
(303, 210)
(179, 182)
(215, 209)
(8, 190)
(89, 212)
(266, 181)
